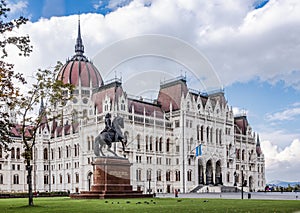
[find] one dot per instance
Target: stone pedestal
(111, 180)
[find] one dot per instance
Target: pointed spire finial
(79, 48)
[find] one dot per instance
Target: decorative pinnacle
(79, 48)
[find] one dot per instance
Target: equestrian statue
(112, 133)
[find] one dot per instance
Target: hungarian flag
(199, 150)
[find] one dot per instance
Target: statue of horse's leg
(115, 154)
(101, 146)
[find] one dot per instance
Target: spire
(79, 48)
(257, 141)
(42, 107)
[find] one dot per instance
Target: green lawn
(157, 205)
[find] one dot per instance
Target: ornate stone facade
(162, 139)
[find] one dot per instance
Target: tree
(12, 99)
(8, 78)
(54, 92)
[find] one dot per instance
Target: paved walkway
(238, 195)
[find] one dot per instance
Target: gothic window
(59, 152)
(74, 116)
(89, 143)
(243, 154)
(168, 175)
(67, 151)
(168, 145)
(146, 142)
(77, 177)
(45, 154)
(16, 179)
(188, 106)
(138, 175)
(60, 179)
(68, 178)
(189, 175)
(160, 144)
(1, 179)
(177, 175)
(207, 134)
(52, 154)
(46, 179)
(12, 153)
(156, 144)
(217, 136)
(158, 175)
(138, 138)
(220, 136)
(75, 150)
(53, 179)
(0, 151)
(149, 174)
(151, 143)
(123, 105)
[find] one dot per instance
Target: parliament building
(184, 140)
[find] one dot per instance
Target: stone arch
(200, 172)
(209, 172)
(218, 176)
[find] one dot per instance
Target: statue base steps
(111, 180)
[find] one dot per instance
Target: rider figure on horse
(109, 129)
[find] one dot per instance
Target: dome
(79, 71)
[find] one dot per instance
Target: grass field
(158, 205)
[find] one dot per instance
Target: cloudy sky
(253, 46)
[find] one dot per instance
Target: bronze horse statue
(117, 124)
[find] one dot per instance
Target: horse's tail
(96, 145)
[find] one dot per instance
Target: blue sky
(253, 46)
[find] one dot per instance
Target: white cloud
(241, 44)
(288, 114)
(282, 164)
(17, 7)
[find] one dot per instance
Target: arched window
(75, 150)
(12, 153)
(158, 175)
(67, 151)
(53, 179)
(52, 154)
(156, 144)
(150, 143)
(18, 153)
(220, 136)
(59, 152)
(16, 179)
(146, 142)
(243, 154)
(60, 179)
(89, 143)
(149, 174)
(168, 175)
(207, 134)
(77, 177)
(1, 179)
(69, 178)
(45, 154)
(189, 175)
(177, 175)
(138, 175)
(160, 144)
(46, 179)
(138, 138)
(168, 145)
